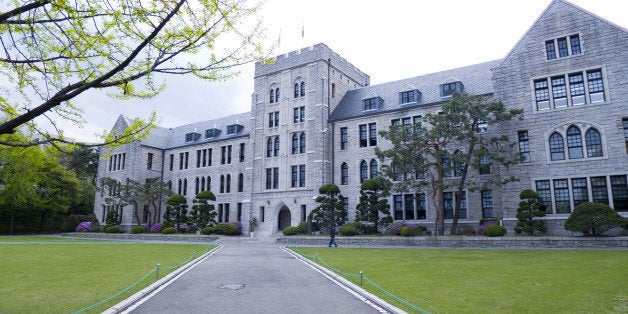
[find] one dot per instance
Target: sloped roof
(475, 78)
(177, 135)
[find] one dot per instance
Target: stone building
(314, 119)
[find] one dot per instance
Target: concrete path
(253, 278)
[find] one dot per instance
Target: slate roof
(475, 78)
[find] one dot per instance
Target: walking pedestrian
(332, 237)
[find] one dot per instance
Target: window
(406, 121)
(408, 97)
(364, 171)
(302, 143)
(395, 122)
(227, 212)
(295, 143)
(191, 137)
(576, 88)
(599, 190)
(462, 212)
(446, 162)
(303, 213)
(235, 128)
(239, 205)
(185, 187)
(171, 161)
(374, 169)
(273, 119)
(197, 185)
(179, 186)
(541, 91)
(203, 184)
(222, 183)
(580, 191)
(225, 154)
(269, 147)
(421, 207)
(302, 89)
(449, 89)
(149, 161)
(344, 136)
(487, 203)
(276, 148)
(363, 141)
(575, 44)
(275, 178)
(186, 159)
(209, 157)
(344, 174)
(557, 147)
(262, 211)
(272, 96)
(242, 151)
(298, 114)
(550, 50)
(596, 86)
(240, 182)
(301, 114)
(333, 90)
(296, 90)
(295, 176)
(181, 156)
(370, 104)
(398, 206)
(524, 146)
(594, 143)
(372, 134)
(228, 185)
(458, 163)
(564, 49)
(211, 133)
(209, 183)
(448, 202)
(485, 162)
(574, 143)
(619, 187)
(625, 126)
(301, 175)
(269, 178)
(561, 196)
(198, 158)
(559, 91)
(544, 192)
(409, 206)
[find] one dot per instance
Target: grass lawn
(37, 238)
(490, 281)
(63, 278)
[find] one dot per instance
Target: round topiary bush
(207, 230)
(169, 230)
(302, 227)
(289, 231)
(593, 219)
(494, 231)
(410, 231)
(225, 229)
(138, 229)
(112, 229)
(348, 231)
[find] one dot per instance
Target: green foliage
(207, 230)
(169, 230)
(348, 231)
(137, 194)
(394, 228)
(290, 231)
(70, 224)
(176, 211)
(410, 231)
(330, 212)
(494, 231)
(373, 206)
(112, 218)
(203, 213)
(466, 230)
(138, 229)
(483, 220)
(593, 219)
(529, 207)
(252, 224)
(112, 229)
(225, 229)
(302, 227)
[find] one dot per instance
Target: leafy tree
(331, 211)
(203, 213)
(55, 50)
(176, 211)
(137, 194)
(593, 219)
(373, 193)
(420, 155)
(83, 161)
(530, 206)
(112, 218)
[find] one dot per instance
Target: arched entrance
(285, 219)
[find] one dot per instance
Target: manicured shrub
(593, 219)
(486, 224)
(70, 224)
(169, 230)
(302, 227)
(238, 226)
(85, 226)
(225, 229)
(394, 228)
(207, 230)
(112, 229)
(156, 228)
(531, 206)
(138, 229)
(290, 231)
(407, 231)
(348, 230)
(494, 231)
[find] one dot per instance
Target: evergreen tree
(176, 211)
(373, 202)
(530, 206)
(331, 211)
(203, 212)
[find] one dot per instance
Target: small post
(361, 278)
(316, 256)
(157, 270)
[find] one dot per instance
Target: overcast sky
(388, 40)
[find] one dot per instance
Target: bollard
(361, 278)
(316, 256)
(157, 270)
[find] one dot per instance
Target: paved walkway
(253, 278)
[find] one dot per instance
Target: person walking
(332, 237)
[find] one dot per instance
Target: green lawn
(36, 238)
(490, 281)
(63, 278)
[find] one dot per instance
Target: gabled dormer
(451, 87)
(372, 102)
(192, 137)
(212, 133)
(409, 95)
(234, 129)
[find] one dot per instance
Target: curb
(365, 295)
(146, 293)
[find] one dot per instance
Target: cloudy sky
(389, 40)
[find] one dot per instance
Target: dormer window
(371, 103)
(234, 129)
(192, 137)
(211, 133)
(409, 97)
(449, 89)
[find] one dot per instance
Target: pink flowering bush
(85, 226)
(156, 228)
(484, 225)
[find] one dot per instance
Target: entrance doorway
(284, 218)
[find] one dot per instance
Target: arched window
(276, 151)
(197, 185)
(185, 187)
(302, 89)
(458, 164)
(374, 169)
(296, 90)
(557, 147)
(295, 143)
(344, 174)
(240, 182)
(574, 142)
(228, 189)
(222, 183)
(302, 143)
(485, 162)
(446, 161)
(277, 94)
(364, 171)
(179, 187)
(203, 184)
(269, 147)
(594, 143)
(209, 183)
(272, 96)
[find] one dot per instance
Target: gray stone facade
(321, 94)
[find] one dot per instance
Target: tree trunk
(12, 221)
